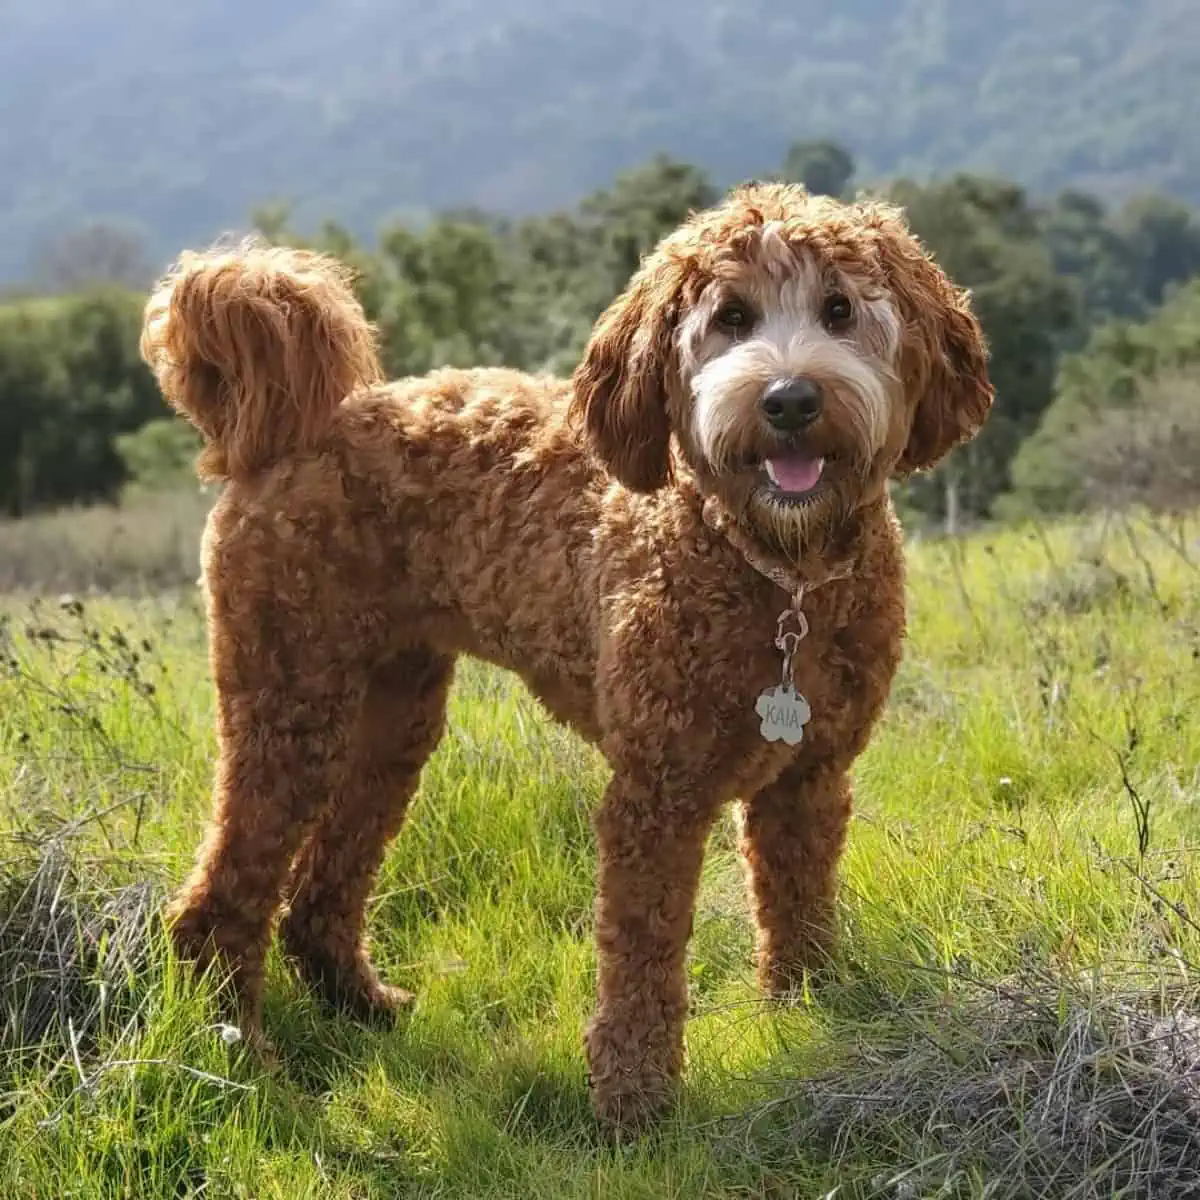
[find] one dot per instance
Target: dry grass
(149, 544)
(70, 954)
(1044, 1084)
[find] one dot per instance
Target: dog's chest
(809, 685)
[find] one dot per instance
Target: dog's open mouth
(793, 478)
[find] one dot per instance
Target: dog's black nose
(791, 404)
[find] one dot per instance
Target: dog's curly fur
(368, 534)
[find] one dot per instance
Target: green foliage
(1123, 262)
(1164, 239)
(160, 456)
(985, 234)
(71, 381)
(1085, 245)
(623, 222)
(825, 168)
(464, 290)
(1108, 373)
(467, 288)
(1146, 453)
(442, 296)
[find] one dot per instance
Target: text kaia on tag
(784, 714)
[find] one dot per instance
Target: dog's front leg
(793, 831)
(650, 839)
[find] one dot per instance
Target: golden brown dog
(644, 547)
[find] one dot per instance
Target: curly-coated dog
(645, 546)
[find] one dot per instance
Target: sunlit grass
(1029, 804)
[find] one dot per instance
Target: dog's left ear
(943, 356)
(620, 386)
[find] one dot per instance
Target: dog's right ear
(620, 387)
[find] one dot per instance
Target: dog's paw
(354, 989)
(628, 1112)
(378, 1003)
(786, 979)
(632, 1084)
(261, 1049)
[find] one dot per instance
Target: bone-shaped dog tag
(784, 714)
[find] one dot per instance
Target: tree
(32, 383)
(986, 236)
(71, 381)
(1086, 245)
(160, 455)
(1124, 262)
(444, 294)
(1110, 373)
(1164, 242)
(448, 294)
(576, 262)
(623, 223)
(526, 293)
(1146, 452)
(824, 167)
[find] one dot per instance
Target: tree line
(1092, 314)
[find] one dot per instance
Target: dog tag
(784, 714)
(783, 710)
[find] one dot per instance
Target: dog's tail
(257, 347)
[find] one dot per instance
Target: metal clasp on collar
(787, 641)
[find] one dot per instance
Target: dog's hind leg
(402, 719)
(286, 720)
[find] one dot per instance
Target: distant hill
(179, 118)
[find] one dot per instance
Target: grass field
(1020, 912)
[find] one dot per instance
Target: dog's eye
(837, 311)
(734, 316)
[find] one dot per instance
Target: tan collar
(781, 573)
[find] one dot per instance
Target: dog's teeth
(771, 472)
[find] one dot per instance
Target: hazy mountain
(179, 118)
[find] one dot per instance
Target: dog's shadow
(532, 1097)
(526, 1095)
(332, 1070)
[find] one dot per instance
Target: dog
(687, 552)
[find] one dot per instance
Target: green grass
(1025, 837)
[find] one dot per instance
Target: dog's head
(801, 351)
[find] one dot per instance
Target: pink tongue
(795, 473)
